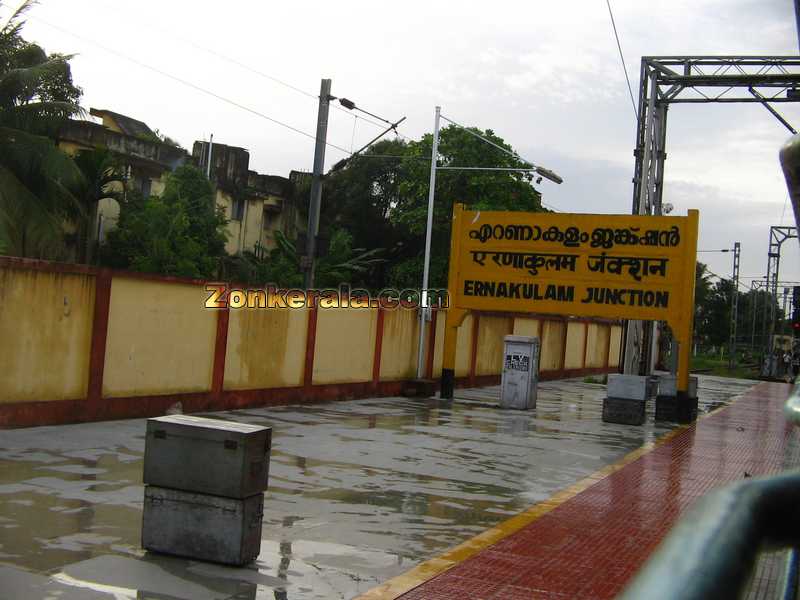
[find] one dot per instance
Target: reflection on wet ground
(360, 491)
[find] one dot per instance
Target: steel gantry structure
(777, 235)
(757, 285)
(667, 80)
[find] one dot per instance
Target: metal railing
(711, 552)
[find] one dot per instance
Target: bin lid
(205, 423)
(521, 339)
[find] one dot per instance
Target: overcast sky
(544, 76)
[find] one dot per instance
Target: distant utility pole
(316, 182)
(754, 295)
(208, 158)
(734, 305)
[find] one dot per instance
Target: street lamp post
(424, 309)
(538, 169)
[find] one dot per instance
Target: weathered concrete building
(256, 205)
(146, 158)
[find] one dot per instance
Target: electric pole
(316, 183)
(208, 158)
(734, 305)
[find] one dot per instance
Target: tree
(180, 233)
(342, 264)
(37, 96)
(702, 292)
(101, 170)
(383, 201)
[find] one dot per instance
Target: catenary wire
(258, 72)
(189, 84)
(622, 58)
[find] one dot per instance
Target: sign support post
(685, 326)
(455, 316)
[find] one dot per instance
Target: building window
(269, 218)
(237, 209)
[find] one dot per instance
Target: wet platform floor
(590, 545)
(360, 492)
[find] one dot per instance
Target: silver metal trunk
(209, 456)
(223, 530)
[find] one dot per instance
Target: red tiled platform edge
(591, 545)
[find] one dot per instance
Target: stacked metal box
(627, 399)
(669, 407)
(204, 488)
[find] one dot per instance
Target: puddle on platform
(359, 491)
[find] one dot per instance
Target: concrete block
(203, 527)
(208, 456)
(624, 411)
(670, 408)
(630, 387)
(668, 386)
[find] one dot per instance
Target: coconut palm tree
(36, 179)
(103, 177)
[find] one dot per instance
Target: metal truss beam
(777, 235)
(666, 80)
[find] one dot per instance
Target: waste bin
(520, 372)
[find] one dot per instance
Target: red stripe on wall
(220, 351)
(586, 344)
(431, 345)
(97, 351)
(473, 359)
(311, 340)
(376, 356)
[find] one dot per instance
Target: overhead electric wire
(622, 58)
(189, 84)
(258, 72)
(241, 106)
(740, 284)
(536, 167)
(785, 202)
(490, 142)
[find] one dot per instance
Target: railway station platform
(590, 539)
(395, 497)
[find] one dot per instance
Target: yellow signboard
(614, 266)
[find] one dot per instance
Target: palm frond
(27, 153)
(14, 19)
(27, 227)
(32, 67)
(40, 117)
